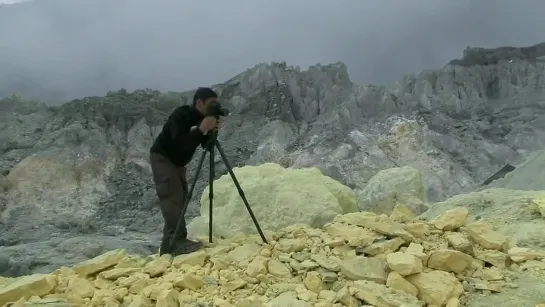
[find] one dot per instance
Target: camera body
(215, 109)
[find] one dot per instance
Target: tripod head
(215, 109)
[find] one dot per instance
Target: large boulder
(278, 197)
(394, 185)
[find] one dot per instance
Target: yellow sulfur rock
(359, 259)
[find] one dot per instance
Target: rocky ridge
(491, 56)
(358, 258)
(78, 174)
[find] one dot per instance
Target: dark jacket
(177, 141)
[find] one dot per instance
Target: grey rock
(4, 262)
(114, 230)
(394, 185)
(45, 255)
(81, 246)
(528, 175)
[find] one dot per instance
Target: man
(186, 128)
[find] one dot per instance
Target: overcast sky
(89, 46)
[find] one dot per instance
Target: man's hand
(209, 123)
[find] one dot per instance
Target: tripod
(213, 143)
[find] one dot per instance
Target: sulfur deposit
(358, 258)
(278, 196)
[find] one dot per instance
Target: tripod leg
(240, 192)
(211, 186)
(186, 202)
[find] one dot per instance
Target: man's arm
(185, 139)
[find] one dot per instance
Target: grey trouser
(171, 187)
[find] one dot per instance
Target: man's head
(202, 98)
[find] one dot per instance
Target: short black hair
(204, 93)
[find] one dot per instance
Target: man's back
(177, 141)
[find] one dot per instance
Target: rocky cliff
(491, 56)
(78, 174)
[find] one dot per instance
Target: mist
(63, 49)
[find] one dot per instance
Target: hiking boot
(163, 249)
(186, 246)
(182, 246)
(165, 246)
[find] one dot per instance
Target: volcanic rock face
(75, 179)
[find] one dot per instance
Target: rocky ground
(75, 181)
(358, 258)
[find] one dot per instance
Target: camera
(215, 109)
